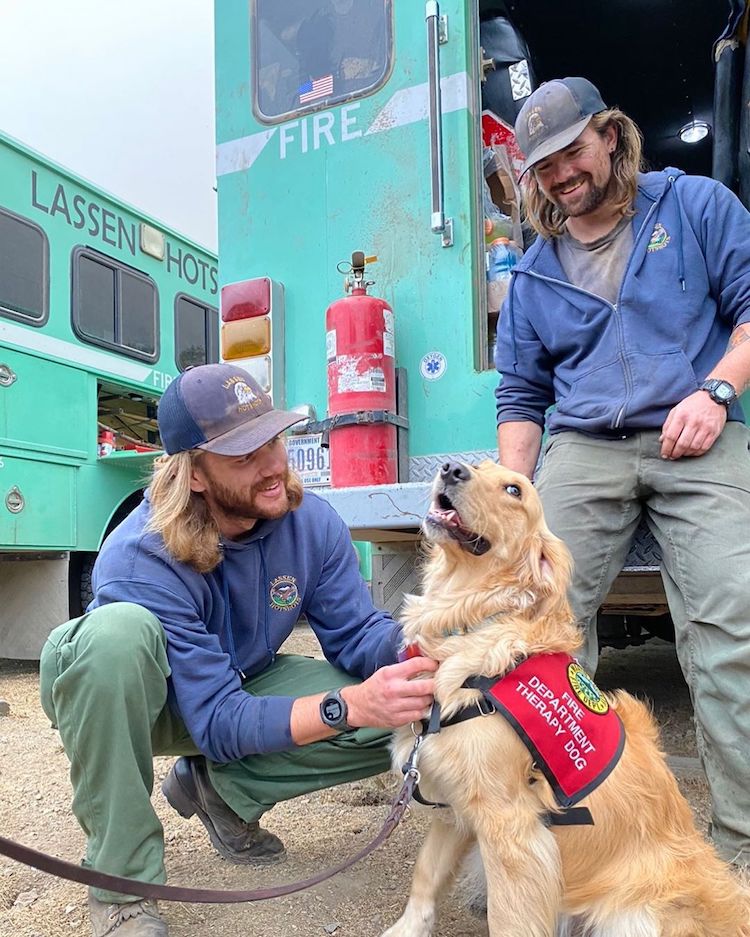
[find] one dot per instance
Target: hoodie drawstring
(680, 247)
(267, 606)
(228, 624)
(512, 322)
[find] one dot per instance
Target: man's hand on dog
(391, 697)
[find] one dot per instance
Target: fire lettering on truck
(310, 133)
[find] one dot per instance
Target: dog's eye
(513, 490)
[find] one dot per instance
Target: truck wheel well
(80, 590)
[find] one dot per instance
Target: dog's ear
(550, 563)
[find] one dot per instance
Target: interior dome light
(695, 131)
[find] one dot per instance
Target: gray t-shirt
(597, 267)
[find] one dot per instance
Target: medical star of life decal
(432, 366)
(284, 593)
(586, 690)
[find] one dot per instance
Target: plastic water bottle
(502, 256)
(497, 226)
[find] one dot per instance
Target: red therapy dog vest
(564, 720)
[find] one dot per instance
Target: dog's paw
(450, 679)
(414, 922)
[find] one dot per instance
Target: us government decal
(284, 593)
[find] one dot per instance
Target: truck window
(315, 53)
(114, 306)
(196, 330)
(24, 278)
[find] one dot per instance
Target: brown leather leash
(131, 886)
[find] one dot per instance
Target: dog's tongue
(450, 518)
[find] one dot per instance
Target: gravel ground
(318, 830)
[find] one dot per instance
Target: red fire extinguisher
(360, 347)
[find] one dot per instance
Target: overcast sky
(121, 92)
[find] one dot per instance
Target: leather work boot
(134, 919)
(188, 789)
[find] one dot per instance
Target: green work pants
(698, 509)
(103, 681)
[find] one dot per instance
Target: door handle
(439, 224)
(7, 375)
(14, 500)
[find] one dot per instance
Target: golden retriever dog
(493, 596)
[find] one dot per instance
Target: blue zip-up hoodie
(612, 368)
(233, 620)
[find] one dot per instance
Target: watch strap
(711, 386)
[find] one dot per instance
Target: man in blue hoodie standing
(631, 313)
(195, 592)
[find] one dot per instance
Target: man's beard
(595, 196)
(242, 503)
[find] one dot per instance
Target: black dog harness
(562, 718)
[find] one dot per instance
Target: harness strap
(567, 816)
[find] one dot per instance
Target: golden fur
(642, 870)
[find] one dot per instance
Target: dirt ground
(318, 830)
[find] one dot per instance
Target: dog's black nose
(453, 472)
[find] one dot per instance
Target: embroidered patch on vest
(284, 593)
(659, 238)
(564, 720)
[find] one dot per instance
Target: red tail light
(252, 331)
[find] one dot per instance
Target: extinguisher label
(378, 380)
(389, 344)
(353, 378)
(331, 345)
(388, 320)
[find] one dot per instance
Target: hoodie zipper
(616, 422)
(619, 417)
(618, 324)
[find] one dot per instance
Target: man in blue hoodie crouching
(194, 594)
(631, 313)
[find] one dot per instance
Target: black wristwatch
(719, 391)
(333, 711)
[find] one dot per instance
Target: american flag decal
(317, 88)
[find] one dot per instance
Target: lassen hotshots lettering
(108, 226)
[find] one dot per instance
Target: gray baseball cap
(554, 115)
(221, 408)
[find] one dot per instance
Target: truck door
(349, 125)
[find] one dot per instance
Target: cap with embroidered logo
(221, 408)
(554, 115)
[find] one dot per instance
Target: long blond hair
(627, 160)
(182, 517)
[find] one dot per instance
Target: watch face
(723, 391)
(332, 710)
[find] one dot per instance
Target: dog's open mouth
(443, 514)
